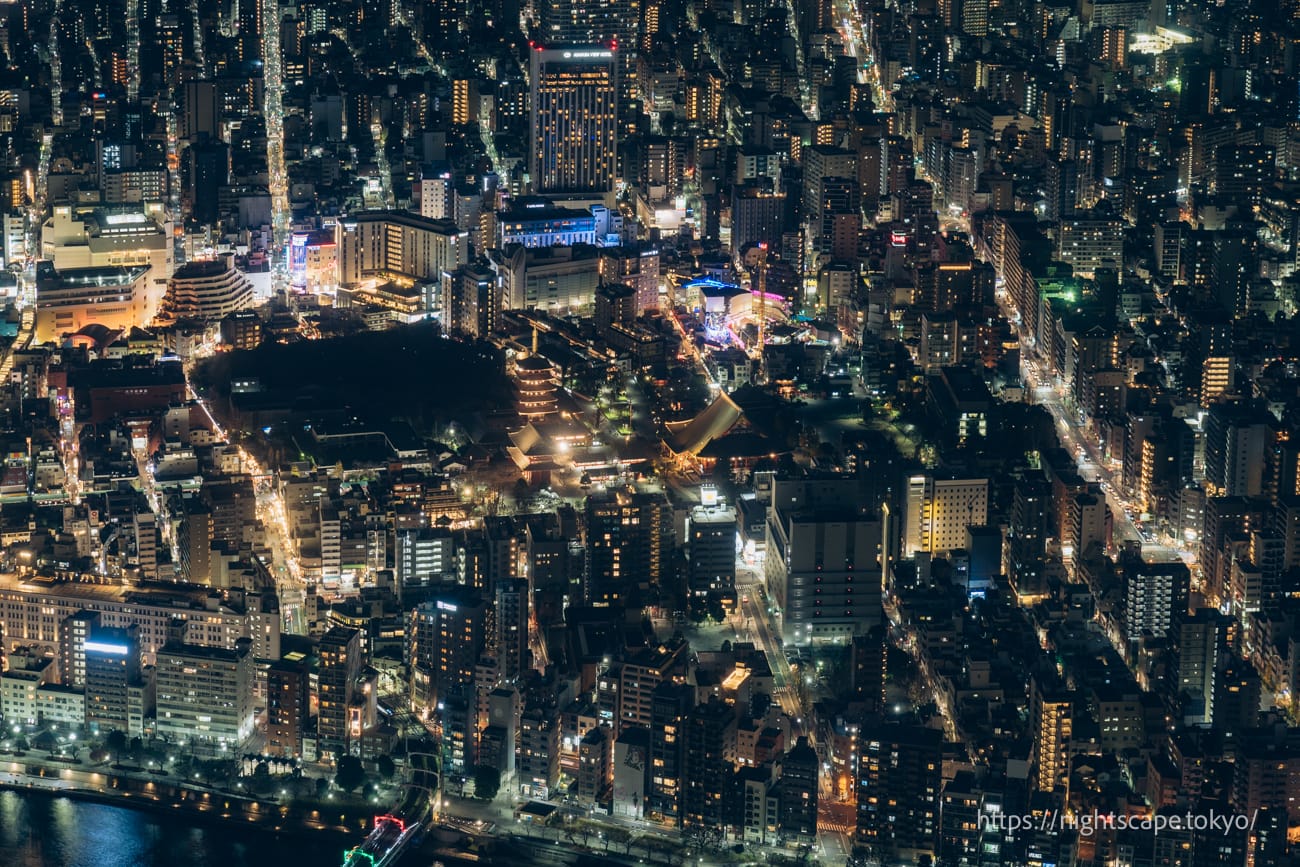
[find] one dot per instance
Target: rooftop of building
(532, 208)
(203, 651)
(49, 279)
(165, 595)
(204, 268)
(403, 218)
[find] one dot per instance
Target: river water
(40, 830)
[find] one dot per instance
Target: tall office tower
(207, 170)
(250, 30)
(1062, 187)
(112, 669)
(288, 706)
(975, 17)
(1236, 440)
(1026, 540)
(1243, 172)
(205, 694)
(1168, 246)
(171, 45)
(824, 565)
(1238, 691)
(670, 706)
(1255, 576)
(1286, 521)
(838, 197)
(797, 814)
(437, 194)
(868, 657)
(445, 638)
(456, 725)
(194, 542)
(145, 525)
(502, 537)
(821, 163)
(578, 22)
(424, 556)
(605, 22)
(476, 300)
(1155, 596)
(340, 668)
(1090, 240)
(512, 628)
(202, 116)
(635, 265)
(634, 684)
(757, 215)
(899, 780)
(1088, 520)
(553, 556)
(711, 547)
(537, 756)
(940, 510)
(574, 103)
(499, 740)
(966, 836)
(629, 535)
(1226, 517)
(595, 771)
(710, 761)
(1201, 640)
(1051, 713)
(1234, 261)
(74, 632)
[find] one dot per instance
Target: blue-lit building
(714, 296)
(719, 304)
(539, 222)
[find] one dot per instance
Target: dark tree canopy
(487, 782)
(410, 373)
(350, 774)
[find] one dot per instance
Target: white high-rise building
(938, 511)
(424, 556)
(824, 560)
(205, 693)
(437, 197)
(398, 244)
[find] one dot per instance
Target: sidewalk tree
(350, 774)
(385, 767)
(620, 837)
(487, 782)
(115, 742)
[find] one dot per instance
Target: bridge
(385, 844)
(394, 831)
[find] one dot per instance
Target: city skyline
(651, 431)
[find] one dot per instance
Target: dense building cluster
(861, 429)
